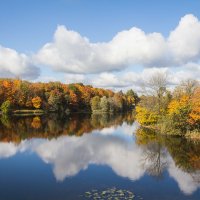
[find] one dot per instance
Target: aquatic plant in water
(109, 194)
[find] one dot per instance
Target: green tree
(104, 104)
(54, 100)
(133, 95)
(5, 107)
(95, 103)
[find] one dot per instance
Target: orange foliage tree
(37, 102)
(194, 116)
(52, 96)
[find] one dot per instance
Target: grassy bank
(28, 112)
(193, 135)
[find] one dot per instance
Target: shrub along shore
(169, 112)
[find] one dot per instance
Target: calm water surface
(62, 158)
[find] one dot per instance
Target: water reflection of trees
(185, 154)
(155, 147)
(16, 129)
(154, 159)
(154, 156)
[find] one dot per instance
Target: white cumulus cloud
(14, 64)
(72, 53)
(137, 80)
(184, 41)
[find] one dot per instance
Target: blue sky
(27, 25)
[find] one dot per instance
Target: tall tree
(104, 104)
(95, 103)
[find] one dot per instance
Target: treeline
(58, 97)
(116, 103)
(174, 112)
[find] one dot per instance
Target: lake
(94, 157)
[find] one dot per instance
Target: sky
(115, 44)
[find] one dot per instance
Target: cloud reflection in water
(114, 147)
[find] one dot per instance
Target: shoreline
(189, 135)
(27, 112)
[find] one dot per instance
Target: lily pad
(109, 194)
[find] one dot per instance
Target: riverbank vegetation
(174, 112)
(26, 97)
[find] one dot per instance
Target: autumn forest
(23, 96)
(174, 112)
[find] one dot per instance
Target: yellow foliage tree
(178, 112)
(145, 116)
(36, 102)
(176, 106)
